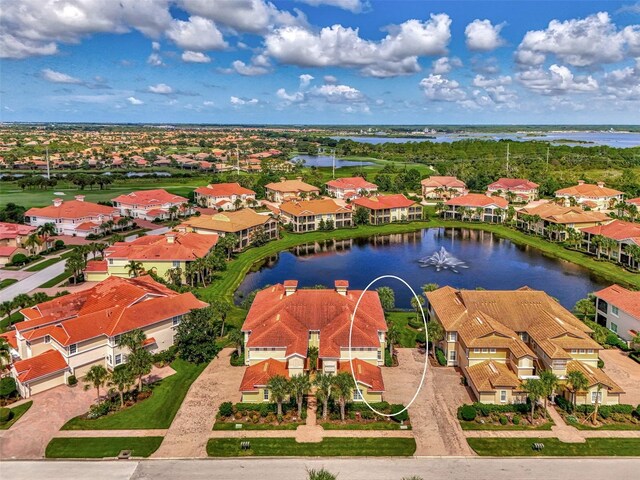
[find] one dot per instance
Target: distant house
(618, 309)
(350, 188)
(309, 215)
(389, 208)
(72, 217)
(150, 204)
(538, 218)
(476, 206)
(624, 234)
(224, 196)
(290, 189)
(439, 187)
(514, 189)
(12, 238)
(596, 197)
(246, 224)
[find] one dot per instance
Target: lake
(327, 161)
(612, 139)
(493, 263)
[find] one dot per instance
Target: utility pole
(507, 159)
(48, 167)
(237, 160)
(333, 161)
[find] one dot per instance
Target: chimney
(290, 287)
(57, 202)
(80, 198)
(341, 287)
(282, 179)
(299, 179)
(600, 184)
(171, 237)
(580, 182)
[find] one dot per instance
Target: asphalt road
(32, 282)
(468, 468)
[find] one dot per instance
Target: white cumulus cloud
(59, 77)
(354, 6)
(161, 88)
(483, 36)
(135, 101)
(195, 57)
(439, 88)
(196, 34)
(242, 101)
(557, 80)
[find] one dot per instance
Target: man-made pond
(327, 161)
(585, 139)
(492, 263)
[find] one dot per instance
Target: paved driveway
(433, 414)
(625, 372)
(191, 428)
(29, 436)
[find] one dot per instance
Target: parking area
(433, 414)
(625, 372)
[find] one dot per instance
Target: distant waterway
(327, 161)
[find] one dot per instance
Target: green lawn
(594, 447)
(330, 447)
(363, 426)
(4, 283)
(48, 262)
(610, 426)
(17, 413)
(100, 447)
(407, 333)
(489, 426)
(155, 412)
(254, 426)
(56, 280)
(6, 322)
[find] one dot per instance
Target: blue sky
(320, 61)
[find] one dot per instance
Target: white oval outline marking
(426, 359)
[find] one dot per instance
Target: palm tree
(46, 231)
(598, 242)
(596, 404)
(101, 247)
(393, 335)
(236, 338)
(134, 268)
(139, 361)
(122, 379)
(416, 303)
(115, 239)
(279, 388)
(122, 223)
(342, 390)
(312, 355)
(6, 308)
(5, 353)
(435, 333)
(172, 211)
(577, 382)
(324, 388)
(535, 390)
(39, 297)
(221, 310)
(32, 242)
(97, 376)
(76, 264)
(22, 300)
(299, 386)
(430, 287)
(633, 252)
(549, 381)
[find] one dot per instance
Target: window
(485, 350)
(47, 339)
(602, 305)
(110, 261)
(590, 351)
(118, 359)
(614, 327)
(175, 321)
(73, 348)
(574, 351)
(593, 397)
(379, 355)
(176, 264)
(492, 350)
(614, 310)
(453, 336)
(503, 396)
(109, 359)
(265, 395)
(116, 339)
(452, 355)
(357, 395)
(581, 351)
(476, 350)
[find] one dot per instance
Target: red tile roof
(13, 230)
(382, 202)
(477, 200)
(589, 190)
(185, 246)
(618, 230)
(634, 201)
(7, 251)
(46, 363)
(96, 266)
(442, 181)
(10, 337)
(258, 375)
(624, 299)
(365, 373)
(224, 190)
(352, 183)
(513, 184)
(149, 197)
(71, 209)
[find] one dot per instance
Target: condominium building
(12, 238)
(289, 190)
(151, 205)
(618, 309)
(625, 236)
(476, 206)
(389, 208)
(442, 187)
(310, 215)
(596, 197)
(550, 219)
(350, 188)
(514, 189)
(224, 196)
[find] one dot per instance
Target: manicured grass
(610, 426)
(330, 447)
(56, 280)
(255, 426)
(6, 322)
(155, 412)
(17, 413)
(594, 447)
(100, 447)
(489, 426)
(6, 282)
(363, 426)
(48, 262)
(407, 333)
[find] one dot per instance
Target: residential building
(618, 309)
(151, 205)
(514, 189)
(350, 188)
(248, 225)
(155, 253)
(389, 208)
(224, 196)
(289, 190)
(69, 334)
(556, 221)
(596, 197)
(476, 206)
(633, 201)
(625, 237)
(76, 218)
(442, 188)
(285, 321)
(12, 238)
(500, 338)
(310, 215)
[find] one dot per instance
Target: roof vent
(493, 368)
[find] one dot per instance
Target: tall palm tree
(236, 338)
(299, 386)
(393, 335)
(342, 389)
(32, 242)
(5, 353)
(279, 388)
(22, 300)
(46, 231)
(134, 268)
(6, 308)
(324, 389)
(122, 379)
(535, 390)
(633, 252)
(598, 242)
(577, 382)
(139, 361)
(549, 381)
(97, 376)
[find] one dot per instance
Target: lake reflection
(494, 263)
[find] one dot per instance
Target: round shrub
(226, 409)
(600, 363)
(503, 420)
(516, 419)
(72, 380)
(58, 245)
(399, 417)
(7, 387)
(19, 259)
(5, 415)
(468, 413)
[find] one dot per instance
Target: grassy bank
(155, 412)
(331, 447)
(4, 283)
(517, 447)
(100, 447)
(17, 412)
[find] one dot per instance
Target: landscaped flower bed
(482, 416)
(610, 417)
(258, 416)
(361, 417)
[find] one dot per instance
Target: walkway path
(31, 282)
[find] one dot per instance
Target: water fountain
(442, 260)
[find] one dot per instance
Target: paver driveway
(191, 428)
(28, 437)
(625, 372)
(433, 414)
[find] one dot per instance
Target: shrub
(468, 413)
(321, 474)
(5, 414)
(503, 420)
(388, 359)
(442, 360)
(7, 387)
(486, 409)
(19, 259)
(564, 404)
(516, 419)
(600, 363)
(166, 356)
(58, 245)
(99, 410)
(72, 380)
(399, 417)
(226, 409)
(615, 341)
